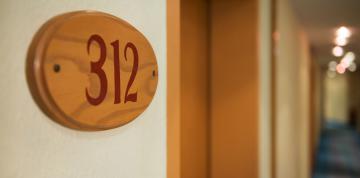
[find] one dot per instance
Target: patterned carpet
(338, 153)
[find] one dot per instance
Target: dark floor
(338, 153)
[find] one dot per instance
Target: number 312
(96, 68)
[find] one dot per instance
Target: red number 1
(115, 45)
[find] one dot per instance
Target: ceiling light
(338, 51)
(351, 56)
(346, 62)
(343, 32)
(340, 69)
(348, 59)
(341, 41)
(352, 67)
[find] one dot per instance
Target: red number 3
(96, 68)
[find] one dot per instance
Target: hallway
(338, 153)
(180, 89)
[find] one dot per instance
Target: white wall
(292, 95)
(336, 101)
(33, 146)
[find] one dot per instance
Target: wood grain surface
(60, 72)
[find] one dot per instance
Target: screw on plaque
(57, 68)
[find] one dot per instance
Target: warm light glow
(343, 32)
(340, 69)
(348, 59)
(350, 55)
(342, 35)
(338, 51)
(346, 62)
(340, 41)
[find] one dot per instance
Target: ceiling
(321, 18)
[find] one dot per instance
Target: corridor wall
(292, 130)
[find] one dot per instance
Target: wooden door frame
(173, 89)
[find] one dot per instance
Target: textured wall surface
(33, 146)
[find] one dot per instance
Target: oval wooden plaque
(91, 71)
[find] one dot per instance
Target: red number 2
(133, 96)
(96, 68)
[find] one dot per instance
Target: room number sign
(91, 71)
